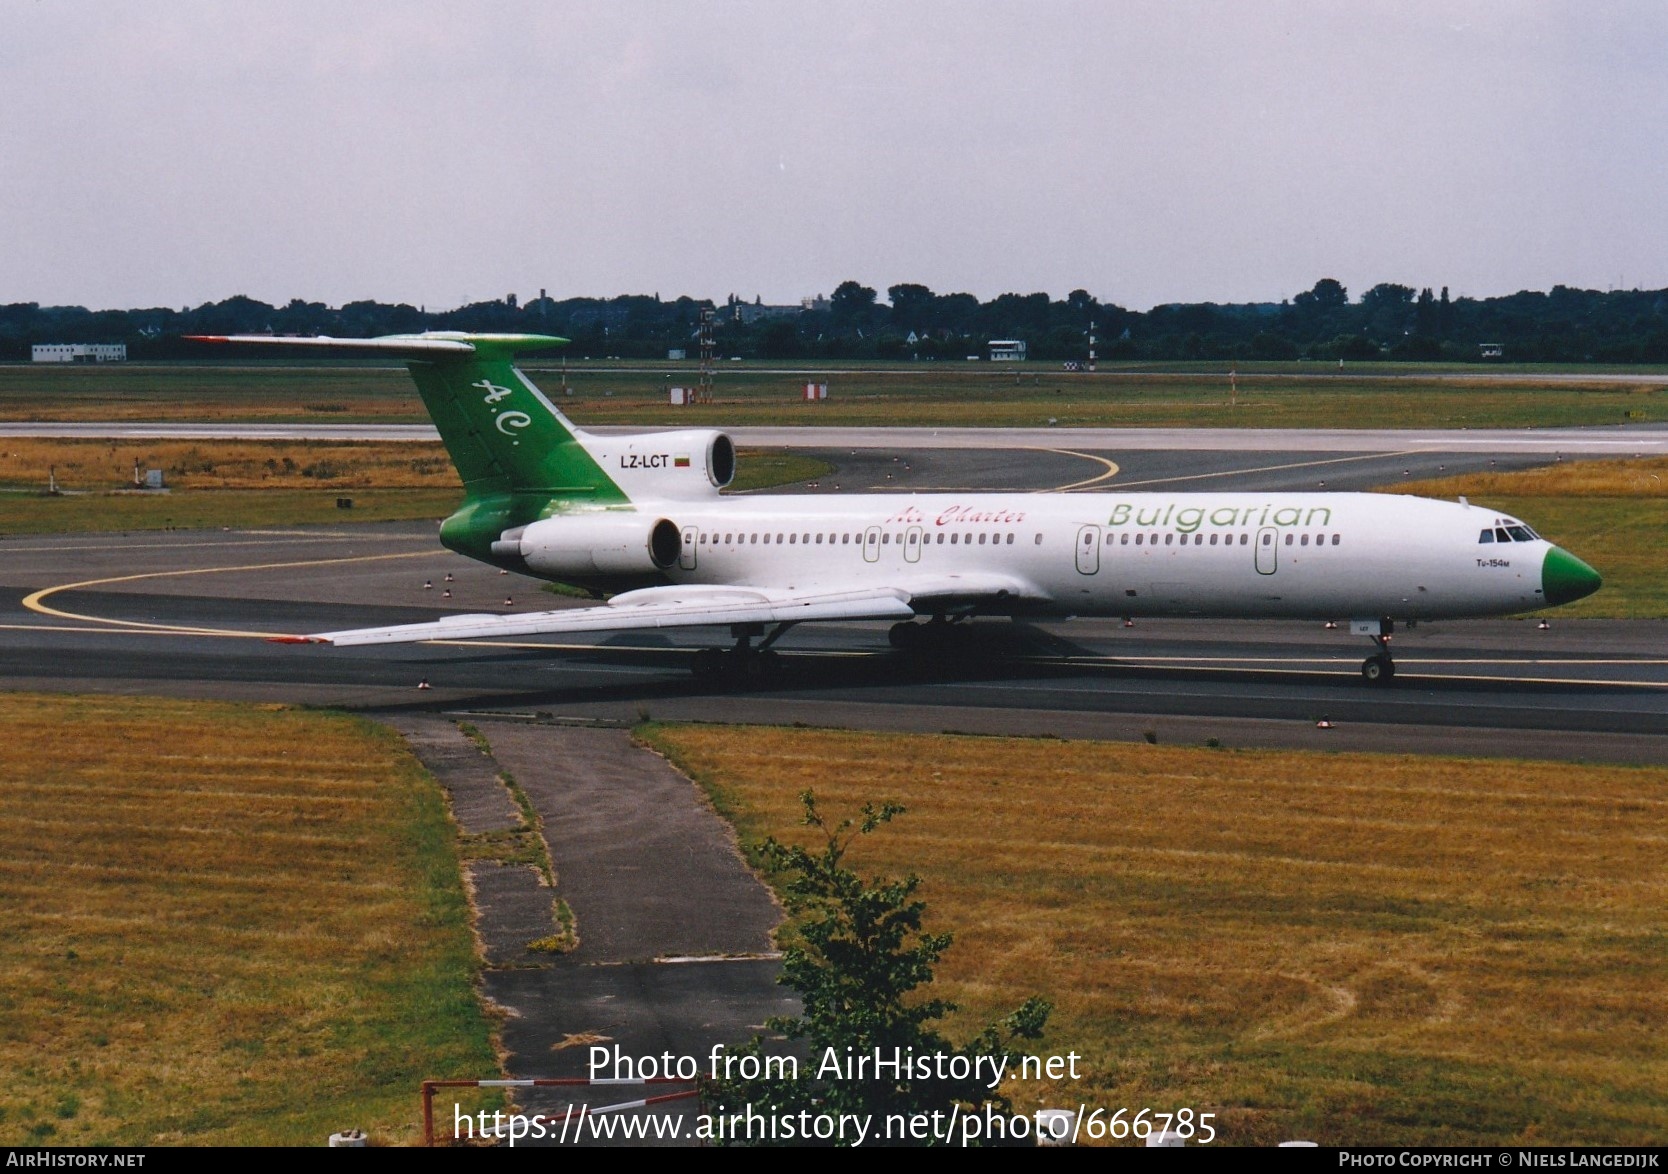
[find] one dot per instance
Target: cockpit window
(1516, 532)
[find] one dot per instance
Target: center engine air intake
(589, 545)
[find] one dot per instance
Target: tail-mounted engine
(684, 464)
(590, 546)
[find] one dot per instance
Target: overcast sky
(166, 154)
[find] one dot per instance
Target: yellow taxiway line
(35, 602)
(1110, 472)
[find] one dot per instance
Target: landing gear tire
(727, 664)
(1378, 669)
(905, 636)
(709, 664)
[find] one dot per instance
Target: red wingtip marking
(295, 640)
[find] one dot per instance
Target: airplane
(641, 520)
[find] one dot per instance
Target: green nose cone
(1565, 578)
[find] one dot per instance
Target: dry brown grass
(1646, 477)
(226, 925)
(97, 465)
(1348, 948)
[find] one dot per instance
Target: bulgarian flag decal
(680, 462)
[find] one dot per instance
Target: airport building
(1007, 350)
(79, 352)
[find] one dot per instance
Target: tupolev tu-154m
(641, 519)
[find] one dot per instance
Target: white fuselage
(1229, 555)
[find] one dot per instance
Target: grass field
(227, 925)
(1351, 949)
(207, 393)
(236, 484)
(1612, 514)
(209, 509)
(1298, 395)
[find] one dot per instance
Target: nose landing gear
(1379, 668)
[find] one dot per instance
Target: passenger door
(1088, 550)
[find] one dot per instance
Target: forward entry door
(1088, 550)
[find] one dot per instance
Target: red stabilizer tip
(292, 640)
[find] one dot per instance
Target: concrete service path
(674, 950)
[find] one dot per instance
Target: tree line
(1388, 321)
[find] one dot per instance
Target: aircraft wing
(701, 605)
(653, 607)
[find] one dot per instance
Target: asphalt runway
(187, 614)
(1622, 441)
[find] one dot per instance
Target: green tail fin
(520, 459)
(501, 431)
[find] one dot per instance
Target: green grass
(227, 924)
(921, 394)
(201, 392)
(760, 468)
(213, 509)
(1348, 948)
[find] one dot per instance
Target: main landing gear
(936, 635)
(743, 661)
(1379, 668)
